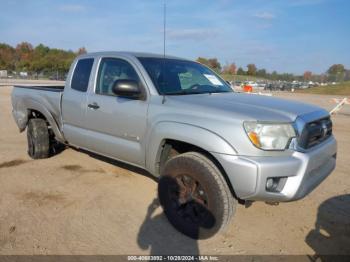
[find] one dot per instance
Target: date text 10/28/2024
(172, 258)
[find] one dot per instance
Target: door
(116, 125)
(74, 102)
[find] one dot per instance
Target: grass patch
(342, 89)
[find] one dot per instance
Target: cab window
(81, 75)
(110, 70)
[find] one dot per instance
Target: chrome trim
(299, 125)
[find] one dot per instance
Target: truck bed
(43, 98)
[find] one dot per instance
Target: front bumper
(301, 172)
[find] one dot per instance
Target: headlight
(269, 136)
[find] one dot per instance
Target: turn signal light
(254, 138)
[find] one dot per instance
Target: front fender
(191, 134)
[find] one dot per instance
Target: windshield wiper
(193, 92)
(214, 92)
(182, 92)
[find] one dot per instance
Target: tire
(38, 139)
(195, 196)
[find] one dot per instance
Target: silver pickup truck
(210, 147)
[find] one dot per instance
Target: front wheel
(195, 196)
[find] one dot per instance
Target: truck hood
(247, 106)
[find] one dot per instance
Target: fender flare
(191, 134)
(21, 114)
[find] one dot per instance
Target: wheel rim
(189, 199)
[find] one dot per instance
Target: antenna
(164, 27)
(164, 38)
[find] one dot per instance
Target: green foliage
(38, 60)
(347, 75)
(230, 69)
(274, 75)
(203, 61)
(240, 71)
(336, 72)
(261, 73)
(48, 61)
(251, 70)
(213, 63)
(338, 89)
(7, 57)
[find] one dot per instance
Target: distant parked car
(23, 74)
(251, 83)
(261, 85)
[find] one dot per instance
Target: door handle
(93, 106)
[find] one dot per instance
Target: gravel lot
(74, 203)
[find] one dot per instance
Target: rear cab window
(81, 75)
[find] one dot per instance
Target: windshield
(181, 77)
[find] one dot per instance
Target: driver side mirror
(127, 88)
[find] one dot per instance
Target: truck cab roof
(129, 54)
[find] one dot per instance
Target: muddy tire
(195, 196)
(38, 139)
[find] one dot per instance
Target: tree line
(38, 60)
(335, 73)
(44, 61)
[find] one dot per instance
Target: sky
(283, 35)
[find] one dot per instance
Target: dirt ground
(74, 203)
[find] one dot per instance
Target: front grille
(315, 133)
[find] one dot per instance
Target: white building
(3, 73)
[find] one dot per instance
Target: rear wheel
(195, 196)
(38, 138)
